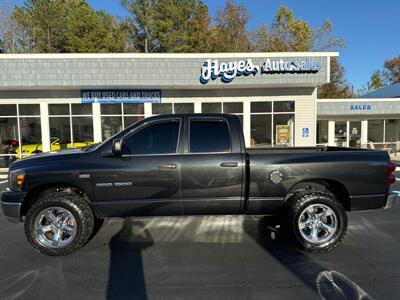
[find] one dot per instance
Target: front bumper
(11, 202)
(392, 198)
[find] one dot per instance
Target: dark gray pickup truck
(193, 164)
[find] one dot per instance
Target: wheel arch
(35, 192)
(337, 188)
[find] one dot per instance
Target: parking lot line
(3, 181)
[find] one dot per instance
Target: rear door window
(209, 136)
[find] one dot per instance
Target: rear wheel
(59, 223)
(316, 220)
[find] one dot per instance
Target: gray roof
(391, 91)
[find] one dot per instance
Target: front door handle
(167, 166)
(229, 164)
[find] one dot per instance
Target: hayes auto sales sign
(228, 71)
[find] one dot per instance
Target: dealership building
(55, 101)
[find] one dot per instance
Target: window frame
(208, 119)
(149, 124)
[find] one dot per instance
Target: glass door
(341, 133)
(355, 134)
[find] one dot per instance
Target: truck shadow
(126, 274)
(327, 284)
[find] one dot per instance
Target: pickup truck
(193, 164)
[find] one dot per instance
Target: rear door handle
(229, 164)
(167, 166)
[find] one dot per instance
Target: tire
(74, 226)
(306, 224)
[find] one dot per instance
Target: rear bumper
(11, 202)
(391, 200)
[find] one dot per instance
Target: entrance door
(146, 179)
(341, 133)
(354, 134)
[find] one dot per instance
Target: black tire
(75, 205)
(298, 203)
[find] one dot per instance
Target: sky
(370, 28)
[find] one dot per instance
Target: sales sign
(120, 96)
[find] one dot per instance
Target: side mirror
(117, 147)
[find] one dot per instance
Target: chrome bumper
(392, 198)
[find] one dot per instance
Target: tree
(288, 33)
(169, 26)
(45, 21)
(337, 87)
(142, 23)
(91, 31)
(229, 33)
(376, 81)
(392, 70)
(13, 36)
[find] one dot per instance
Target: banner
(120, 96)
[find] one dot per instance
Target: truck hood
(66, 154)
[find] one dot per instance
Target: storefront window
(82, 131)
(183, 108)
(283, 129)
(71, 125)
(261, 107)
(110, 126)
(272, 123)
(162, 108)
(9, 139)
(31, 135)
(233, 108)
(392, 130)
(116, 117)
(8, 110)
(133, 113)
(58, 109)
(283, 106)
(375, 131)
(322, 132)
(60, 133)
(20, 132)
(211, 107)
(261, 130)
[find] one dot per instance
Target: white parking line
(398, 179)
(1, 182)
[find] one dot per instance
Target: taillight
(391, 167)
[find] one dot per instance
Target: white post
(148, 110)
(45, 126)
(331, 133)
(364, 134)
(97, 136)
(246, 123)
(197, 107)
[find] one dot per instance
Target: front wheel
(316, 220)
(59, 223)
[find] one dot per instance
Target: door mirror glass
(117, 147)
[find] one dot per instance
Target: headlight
(16, 179)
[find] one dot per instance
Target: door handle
(167, 166)
(229, 164)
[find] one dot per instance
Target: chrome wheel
(55, 227)
(317, 224)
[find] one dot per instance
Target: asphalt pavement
(210, 257)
